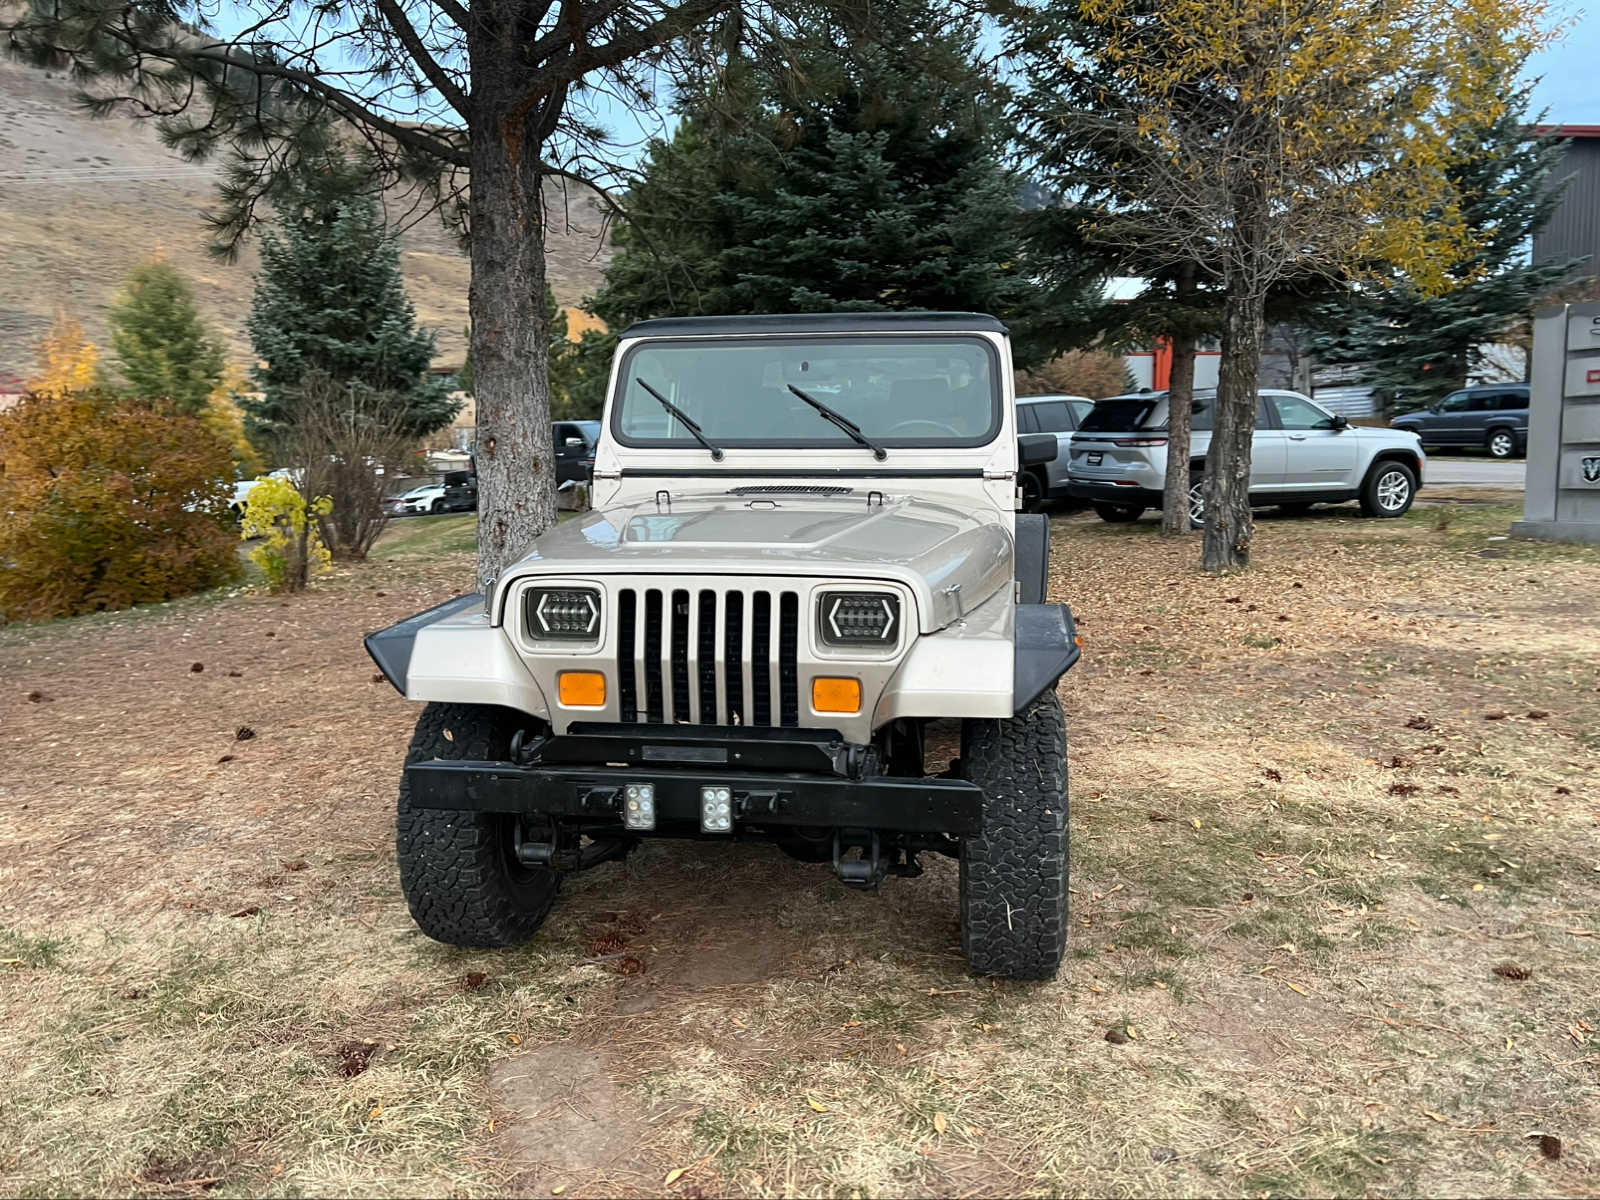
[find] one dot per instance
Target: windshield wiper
(851, 429)
(684, 419)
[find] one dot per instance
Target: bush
(1092, 373)
(292, 551)
(107, 503)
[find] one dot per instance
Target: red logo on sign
(1592, 377)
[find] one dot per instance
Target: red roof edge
(1568, 131)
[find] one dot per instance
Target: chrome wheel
(1502, 444)
(1394, 490)
(1197, 503)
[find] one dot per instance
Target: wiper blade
(684, 419)
(851, 429)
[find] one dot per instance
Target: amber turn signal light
(583, 689)
(836, 695)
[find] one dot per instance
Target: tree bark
(510, 339)
(1180, 406)
(1229, 525)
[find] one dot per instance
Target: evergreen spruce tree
(865, 172)
(1422, 347)
(330, 300)
(164, 348)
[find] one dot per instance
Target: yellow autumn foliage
(68, 361)
(225, 418)
(1313, 133)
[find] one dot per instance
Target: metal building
(1573, 230)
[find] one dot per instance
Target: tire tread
(453, 867)
(1014, 875)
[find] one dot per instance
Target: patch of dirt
(560, 1118)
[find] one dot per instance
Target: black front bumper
(593, 794)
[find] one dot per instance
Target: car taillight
(1145, 441)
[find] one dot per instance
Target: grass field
(1336, 889)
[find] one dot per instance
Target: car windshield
(906, 391)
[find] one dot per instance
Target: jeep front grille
(704, 656)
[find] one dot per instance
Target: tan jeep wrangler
(804, 554)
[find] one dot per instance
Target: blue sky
(1569, 68)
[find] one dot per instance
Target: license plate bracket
(1095, 457)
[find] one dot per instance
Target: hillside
(83, 200)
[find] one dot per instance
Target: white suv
(1302, 455)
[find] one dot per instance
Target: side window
(1053, 417)
(1026, 421)
(1499, 401)
(1202, 415)
(1456, 402)
(1264, 417)
(1295, 413)
(1079, 409)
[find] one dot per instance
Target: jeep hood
(952, 561)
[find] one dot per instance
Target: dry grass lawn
(1315, 808)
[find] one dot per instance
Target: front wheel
(1502, 443)
(1389, 490)
(1119, 514)
(460, 872)
(1014, 875)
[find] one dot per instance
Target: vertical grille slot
(706, 658)
(733, 659)
(760, 660)
(627, 680)
(788, 659)
(653, 692)
(679, 657)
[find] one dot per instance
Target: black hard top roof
(868, 322)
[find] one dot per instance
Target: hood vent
(790, 489)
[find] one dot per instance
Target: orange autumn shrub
(107, 503)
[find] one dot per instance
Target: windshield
(908, 391)
(1122, 413)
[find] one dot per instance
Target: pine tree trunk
(510, 341)
(1229, 525)
(1180, 412)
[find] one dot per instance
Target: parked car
(1301, 455)
(1059, 415)
(782, 588)
(456, 492)
(575, 442)
(1492, 417)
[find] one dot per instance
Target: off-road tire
(1119, 514)
(1376, 499)
(1014, 875)
(459, 870)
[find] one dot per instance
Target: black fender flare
(391, 648)
(1045, 647)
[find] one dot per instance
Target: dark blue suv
(1491, 416)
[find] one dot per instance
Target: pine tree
(330, 300)
(1422, 347)
(863, 173)
(164, 348)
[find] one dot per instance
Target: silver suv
(804, 555)
(1301, 455)
(1059, 416)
